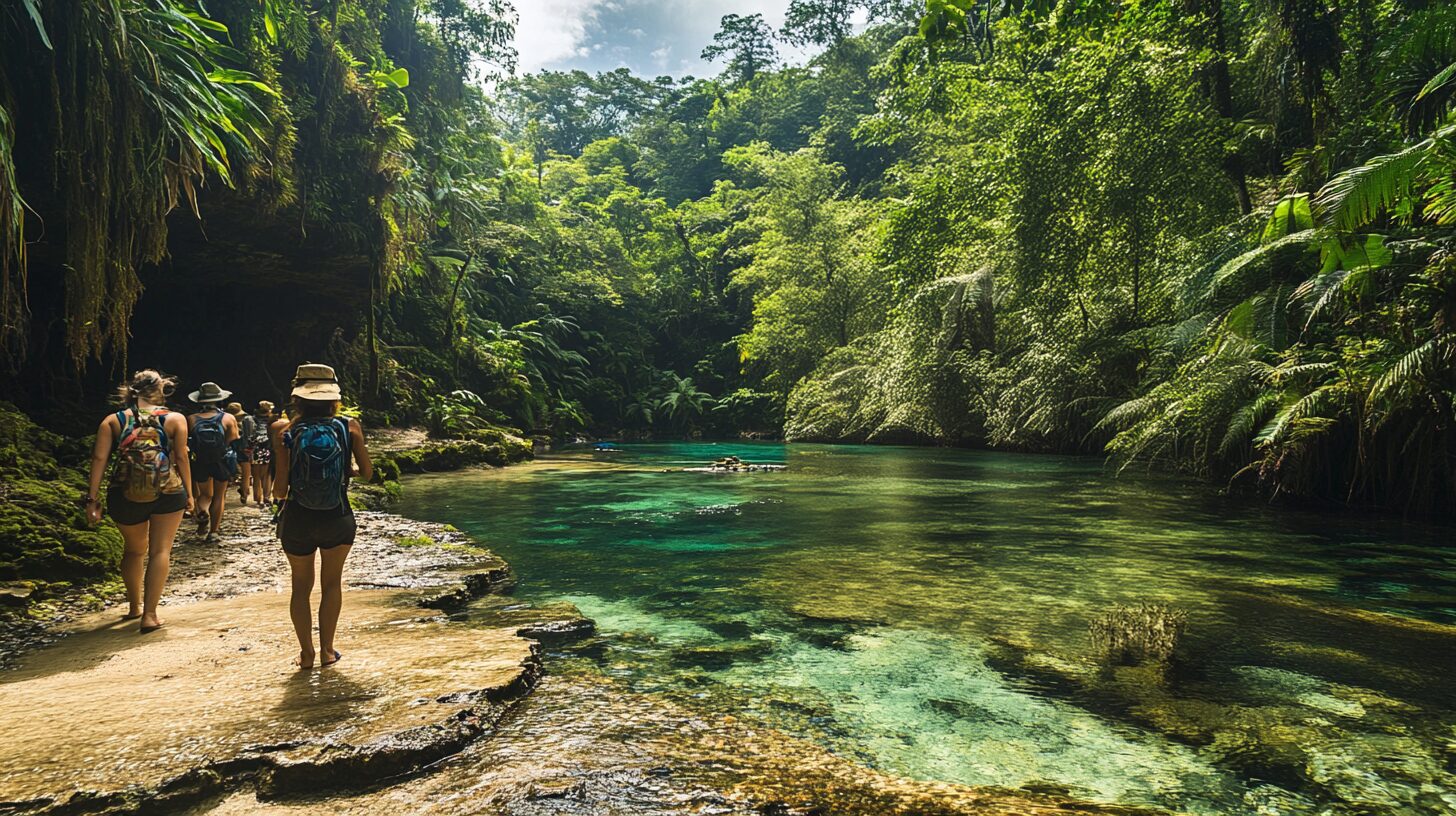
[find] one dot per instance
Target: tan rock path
(106, 719)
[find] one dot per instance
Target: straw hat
(209, 392)
(316, 382)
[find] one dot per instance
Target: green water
(925, 612)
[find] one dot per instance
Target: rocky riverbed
(114, 721)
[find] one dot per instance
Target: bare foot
(150, 623)
(334, 657)
(304, 660)
(132, 613)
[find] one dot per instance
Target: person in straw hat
(315, 455)
(211, 434)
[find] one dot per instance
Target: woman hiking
(260, 462)
(243, 449)
(212, 431)
(313, 456)
(149, 487)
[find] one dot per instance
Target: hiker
(260, 459)
(148, 490)
(211, 435)
(312, 470)
(243, 449)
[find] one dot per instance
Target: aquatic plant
(1146, 633)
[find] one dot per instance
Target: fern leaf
(1242, 423)
(1358, 195)
(1233, 271)
(1399, 375)
(1439, 81)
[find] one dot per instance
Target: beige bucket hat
(209, 392)
(316, 382)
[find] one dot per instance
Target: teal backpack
(318, 463)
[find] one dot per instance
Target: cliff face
(139, 251)
(245, 297)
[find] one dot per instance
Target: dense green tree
(747, 41)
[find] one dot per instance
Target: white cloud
(550, 31)
(647, 36)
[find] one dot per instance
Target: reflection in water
(925, 612)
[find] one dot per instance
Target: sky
(651, 37)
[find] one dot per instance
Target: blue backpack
(318, 467)
(209, 440)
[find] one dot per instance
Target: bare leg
(298, 608)
(331, 602)
(245, 471)
(261, 486)
(202, 495)
(219, 502)
(159, 562)
(133, 563)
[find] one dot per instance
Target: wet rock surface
(582, 745)
(115, 721)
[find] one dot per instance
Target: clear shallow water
(925, 612)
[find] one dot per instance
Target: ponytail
(147, 384)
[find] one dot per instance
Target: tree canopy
(1210, 236)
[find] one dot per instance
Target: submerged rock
(581, 746)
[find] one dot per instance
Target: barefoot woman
(313, 456)
(148, 489)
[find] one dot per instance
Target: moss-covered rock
(43, 532)
(380, 496)
(513, 448)
(490, 446)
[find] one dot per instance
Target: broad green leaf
(1291, 215)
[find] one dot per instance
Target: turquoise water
(926, 612)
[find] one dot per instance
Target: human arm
(100, 455)
(176, 429)
(364, 468)
(280, 460)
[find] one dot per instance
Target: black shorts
(304, 531)
(217, 471)
(125, 511)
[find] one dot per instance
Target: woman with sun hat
(315, 456)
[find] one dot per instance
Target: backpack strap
(121, 422)
(341, 424)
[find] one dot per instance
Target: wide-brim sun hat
(209, 392)
(314, 381)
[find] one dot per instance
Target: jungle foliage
(1212, 235)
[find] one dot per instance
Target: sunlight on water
(927, 612)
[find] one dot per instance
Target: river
(927, 613)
